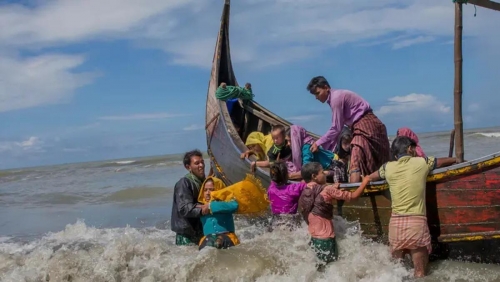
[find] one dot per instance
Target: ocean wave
(124, 162)
(84, 253)
(488, 134)
(137, 193)
(55, 198)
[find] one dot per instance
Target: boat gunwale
(454, 170)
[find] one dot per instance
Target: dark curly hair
(279, 172)
(188, 155)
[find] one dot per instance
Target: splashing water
(82, 253)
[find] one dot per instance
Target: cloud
(302, 118)
(39, 80)
(187, 30)
(32, 141)
(51, 78)
(413, 103)
(291, 35)
(32, 145)
(152, 116)
(412, 41)
(193, 127)
(50, 23)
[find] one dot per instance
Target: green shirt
(407, 178)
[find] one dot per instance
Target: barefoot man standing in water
(407, 177)
(185, 220)
(369, 145)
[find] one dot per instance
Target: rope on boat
(226, 92)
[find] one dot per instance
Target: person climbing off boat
(284, 197)
(342, 153)
(218, 225)
(258, 144)
(405, 131)
(280, 150)
(407, 176)
(186, 213)
(293, 149)
(301, 143)
(315, 206)
(370, 145)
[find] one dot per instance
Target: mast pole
(459, 136)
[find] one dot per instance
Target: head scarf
(405, 131)
(264, 141)
(299, 137)
(218, 185)
(194, 179)
(346, 131)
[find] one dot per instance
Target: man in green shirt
(407, 177)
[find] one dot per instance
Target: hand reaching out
(314, 147)
(205, 209)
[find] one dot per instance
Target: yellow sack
(249, 193)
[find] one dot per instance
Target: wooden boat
(463, 201)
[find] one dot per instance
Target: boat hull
(462, 201)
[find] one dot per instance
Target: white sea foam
(83, 253)
(489, 134)
(125, 162)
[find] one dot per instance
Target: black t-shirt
(283, 151)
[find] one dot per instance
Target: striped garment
(409, 232)
(370, 145)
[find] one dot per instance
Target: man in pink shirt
(370, 144)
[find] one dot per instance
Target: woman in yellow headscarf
(246, 197)
(218, 226)
(258, 144)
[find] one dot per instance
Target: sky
(85, 80)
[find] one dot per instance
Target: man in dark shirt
(186, 211)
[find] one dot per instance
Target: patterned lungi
(409, 232)
(219, 241)
(326, 249)
(370, 147)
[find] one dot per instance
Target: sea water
(108, 221)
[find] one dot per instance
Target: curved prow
(225, 71)
(222, 70)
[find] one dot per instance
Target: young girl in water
(284, 197)
(315, 205)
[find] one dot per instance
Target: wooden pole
(452, 143)
(459, 134)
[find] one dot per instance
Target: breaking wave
(489, 134)
(83, 253)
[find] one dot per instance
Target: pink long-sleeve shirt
(347, 108)
(320, 227)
